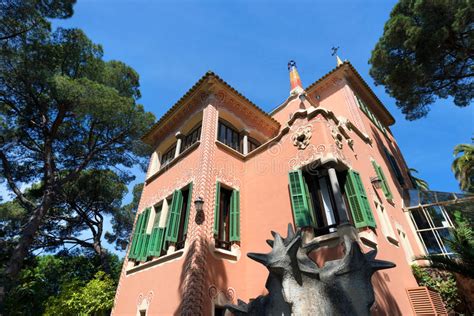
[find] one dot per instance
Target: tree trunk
(104, 261)
(27, 237)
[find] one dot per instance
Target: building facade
(224, 174)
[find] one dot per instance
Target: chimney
(295, 82)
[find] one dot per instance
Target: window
(406, 245)
(155, 246)
(357, 198)
(229, 136)
(381, 176)
(387, 228)
(226, 216)
(314, 204)
(168, 155)
(394, 165)
(178, 216)
(371, 116)
(191, 138)
(164, 233)
(433, 227)
(153, 164)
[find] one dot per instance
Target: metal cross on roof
(334, 50)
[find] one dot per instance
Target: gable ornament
(302, 136)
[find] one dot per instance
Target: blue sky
(248, 43)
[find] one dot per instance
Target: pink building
(224, 174)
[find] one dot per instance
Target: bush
(440, 281)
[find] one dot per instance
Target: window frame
(192, 137)
(234, 135)
(433, 229)
(168, 155)
(386, 223)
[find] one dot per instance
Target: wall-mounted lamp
(376, 182)
(199, 212)
(198, 204)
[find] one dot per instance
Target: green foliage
(463, 166)
(419, 183)
(64, 111)
(96, 297)
(60, 278)
(443, 283)
(20, 16)
(122, 221)
(426, 52)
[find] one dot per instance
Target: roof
(348, 65)
(208, 77)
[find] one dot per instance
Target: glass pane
(437, 216)
(444, 196)
(420, 219)
(228, 136)
(427, 197)
(430, 242)
(445, 234)
(222, 133)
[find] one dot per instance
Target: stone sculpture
(297, 286)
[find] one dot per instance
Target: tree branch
(27, 204)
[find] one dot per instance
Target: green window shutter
(381, 176)
(144, 249)
(188, 206)
(156, 241)
(216, 208)
(172, 227)
(235, 216)
(140, 234)
(299, 199)
(132, 253)
(152, 243)
(143, 237)
(360, 208)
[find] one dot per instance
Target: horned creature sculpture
(297, 286)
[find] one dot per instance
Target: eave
(206, 84)
(356, 80)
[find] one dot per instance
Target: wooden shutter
(156, 241)
(188, 207)
(172, 226)
(142, 244)
(235, 216)
(133, 253)
(144, 248)
(360, 208)
(426, 302)
(216, 208)
(299, 199)
(153, 249)
(381, 176)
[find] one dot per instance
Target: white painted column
(330, 217)
(336, 190)
(245, 142)
(179, 141)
